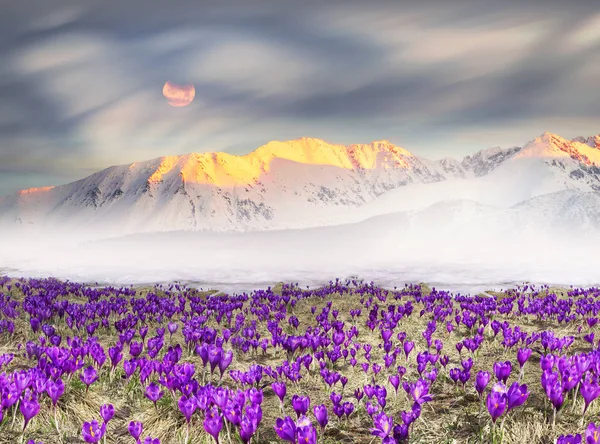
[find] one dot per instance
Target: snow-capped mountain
(301, 183)
(593, 141)
(563, 210)
(282, 184)
(484, 161)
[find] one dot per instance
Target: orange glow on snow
(226, 170)
(179, 95)
(34, 190)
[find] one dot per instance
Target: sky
(81, 81)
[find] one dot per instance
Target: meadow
(349, 362)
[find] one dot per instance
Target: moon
(178, 95)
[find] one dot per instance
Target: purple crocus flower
(247, 429)
(592, 434)
(220, 397)
(589, 392)
(187, 406)
(29, 407)
(22, 380)
(225, 361)
(300, 404)
(467, 364)
(321, 416)
(547, 362)
(359, 394)
(255, 396)
(502, 370)
(496, 404)
(92, 431)
(135, 429)
(481, 381)
(554, 391)
(348, 408)
(286, 429)
(383, 425)
(338, 410)
(214, 357)
(420, 392)
(400, 433)
(130, 367)
(232, 412)
(569, 439)
(336, 398)
(408, 417)
(280, 389)
(516, 395)
(107, 411)
(464, 376)
(523, 355)
(135, 348)
(55, 390)
(306, 433)
(154, 393)
(172, 327)
(115, 355)
(88, 376)
(395, 381)
(454, 374)
(570, 377)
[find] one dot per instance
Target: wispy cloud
(81, 85)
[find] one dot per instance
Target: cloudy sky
(81, 81)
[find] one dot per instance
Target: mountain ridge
(273, 149)
(299, 183)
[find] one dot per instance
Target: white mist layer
(458, 245)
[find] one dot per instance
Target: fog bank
(463, 247)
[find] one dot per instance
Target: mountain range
(310, 183)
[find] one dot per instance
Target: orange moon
(179, 95)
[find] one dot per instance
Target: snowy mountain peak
(319, 152)
(593, 141)
(484, 161)
(550, 145)
(228, 170)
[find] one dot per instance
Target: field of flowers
(348, 363)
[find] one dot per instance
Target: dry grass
(452, 417)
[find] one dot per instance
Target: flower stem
(582, 416)
(15, 413)
(228, 428)
(502, 425)
(56, 421)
